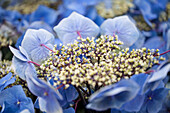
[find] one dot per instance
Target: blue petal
(39, 88)
(135, 104)
(5, 81)
(140, 79)
(49, 104)
(18, 43)
(45, 14)
(69, 95)
(5, 78)
(11, 81)
(32, 44)
(22, 50)
(113, 96)
(160, 75)
(69, 110)
(123, 27)
(20, 67)
(25, 111)
(18, 54)
(67, 29)
(139, 43)
(40, 25)
(53, 105)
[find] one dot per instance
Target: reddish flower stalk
(34, 63)
(162, 53)
(76, 104)
(150, 71)
(60, 86)
(78, 32)
(47, 47)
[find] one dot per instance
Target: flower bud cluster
(5, 67)
(119, 7)
(27, 7)
(4, 41)
(97, 62)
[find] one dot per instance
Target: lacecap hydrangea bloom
(102, 73)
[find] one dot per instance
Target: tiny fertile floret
(97, 62)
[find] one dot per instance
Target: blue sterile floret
(123, 27)
(75, 26)
(113, 96)
(154, 100)
(14, 100)
(47, 95)
(33, 41)
(21, 63)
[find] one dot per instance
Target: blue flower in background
(16, 19)
(75, 26)
(47, 95)
(2, 13)
(69, 95)
(113, 96)
(80, 6)
(40, 25)
(45, 14)
(151, 9)
(21, 63)
(136, 103)
(154, 101)
(34, 25)
(37, 43)
(123, 27)
(6, 80)
(14, 100)
(166, 105)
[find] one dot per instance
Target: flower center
(97, 62)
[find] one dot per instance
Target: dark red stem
(76, 104)
(47, 47)
(162, 53)
(34, 63)
(150, 71)
(60, 86)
